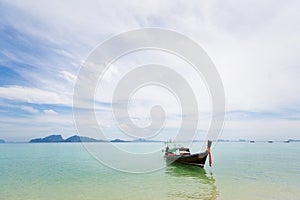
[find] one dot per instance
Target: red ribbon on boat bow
(208, 150)
(209, 156)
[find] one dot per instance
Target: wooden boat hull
(194, 159)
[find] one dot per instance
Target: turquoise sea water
(69, 172)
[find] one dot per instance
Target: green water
(69, 172)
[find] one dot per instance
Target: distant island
(59, 138)
(240, 140)
(291, 140)
(76, 138)
(51, 138)
(2, 141)
(138, 140)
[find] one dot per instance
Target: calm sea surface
(69, 172)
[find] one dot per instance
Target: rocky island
(76, 138)
(51, 138)
(59, 138)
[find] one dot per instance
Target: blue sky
(254, 45)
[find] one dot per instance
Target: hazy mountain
(51, 138)
(77, 138)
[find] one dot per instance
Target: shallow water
(68, 171)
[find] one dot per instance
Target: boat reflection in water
(195, 182)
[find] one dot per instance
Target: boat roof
(174, 145)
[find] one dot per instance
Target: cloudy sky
(254, 45)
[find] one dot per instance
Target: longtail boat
(183, 155)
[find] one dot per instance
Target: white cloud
(68, 76)
(258, 129)
(38, 125)
(29, 109)
(33, 95)
(250, 53)
(254, 44)
(50, 112)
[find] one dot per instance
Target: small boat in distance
(252, 141)
(287, 141)
(179, 154)
(270, 141)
